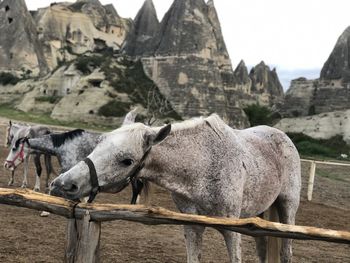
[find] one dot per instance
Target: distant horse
(16, 154)
(210, 169)
(74, 146)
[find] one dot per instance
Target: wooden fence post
(310, 186)
(273, 243)
(83, 240)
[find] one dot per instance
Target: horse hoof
(24, 186)
(44, 214)
(36, 189)
(10, 183)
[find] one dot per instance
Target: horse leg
(233, 245)
(286, 211)
(38, 172)
(137, 186)
(193, 238)
(261, 246)
(48, 166)
(12, 178)
(25, 173)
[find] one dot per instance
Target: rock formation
(188, 68)
(337, 66)
(20, 50)
(146, 26)
(321, 105)
(266, 85)
(70, 29)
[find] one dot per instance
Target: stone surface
(337, 66)
(66, 30)
(266, 85)
(321, 126)
(20, 49)
(146, 26)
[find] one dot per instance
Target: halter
(96, 188)
(20, 155)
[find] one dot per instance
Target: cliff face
(190, 64)
(337, 66)
(146, 26)
(20, 49)
(67, 30)
(328, 93)
(184, 56)
(266, 85)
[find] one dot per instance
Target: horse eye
(127, 162)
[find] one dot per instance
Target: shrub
(86, 64)
(114, 109)
(8, 78)
(258, 115)
(331, 148)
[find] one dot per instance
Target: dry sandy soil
(27, 237)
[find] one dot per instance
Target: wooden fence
(84, 222)
(312, 173)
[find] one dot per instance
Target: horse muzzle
(9, 165)
(66, 189)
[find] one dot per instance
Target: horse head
(18, 153)
(115, 161)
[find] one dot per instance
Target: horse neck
(174, 164)
(43, 144)
(77, 149)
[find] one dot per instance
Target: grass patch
(8, 112)
(7, 78)
(49, 99)
(330, 148)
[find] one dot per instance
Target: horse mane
(138, 130)
(60, 138)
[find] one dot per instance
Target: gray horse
(74, 146)
(210, 169)
(17, 156)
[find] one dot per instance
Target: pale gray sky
(295, 36)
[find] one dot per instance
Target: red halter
(18, 155)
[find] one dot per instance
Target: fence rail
(157, 216)
(311, 182)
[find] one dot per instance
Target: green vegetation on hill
(8, 78)
(330, 148)
(259, 115)
(6, 110)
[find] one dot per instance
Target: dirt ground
(27, 237)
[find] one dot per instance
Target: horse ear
(10, 123)
(130, 117)
(161, 135)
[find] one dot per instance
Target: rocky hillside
(328, 93)
(320, 107)
(87, 57)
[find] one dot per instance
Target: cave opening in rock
(7, 8)
(10, 20)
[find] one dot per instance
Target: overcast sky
(295, 36)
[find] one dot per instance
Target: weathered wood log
(273, 243)
(157, 216)
(83, 240)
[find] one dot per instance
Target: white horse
(210, 169)
(17, 154)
